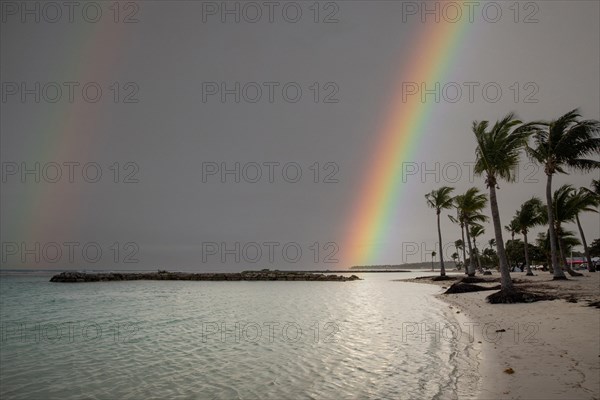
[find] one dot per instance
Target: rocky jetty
(264, 275)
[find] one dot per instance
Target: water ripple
(156, 340)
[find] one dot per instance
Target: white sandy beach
(553, 347)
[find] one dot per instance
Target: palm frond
(499, 148)
(565, 142)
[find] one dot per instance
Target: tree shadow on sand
(460, 287)
(518, 295)
(523, 293)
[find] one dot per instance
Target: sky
(224, 136)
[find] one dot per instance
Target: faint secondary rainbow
(63, 133)
(381, 188)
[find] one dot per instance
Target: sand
(552, 347)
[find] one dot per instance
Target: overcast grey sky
(161, 134)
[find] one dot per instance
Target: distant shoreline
(263, 275)
(422, 266)
(317, 271)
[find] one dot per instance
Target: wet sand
(542, 350)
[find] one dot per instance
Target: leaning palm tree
(564, 142)
(439, 200)
(476, 231)
(585, 201)
(568, 242)
(468, 207)
(460, 242)
(531, 214)
(498, 151)
(565, 210)
(578, 201)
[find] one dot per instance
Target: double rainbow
(381, 188)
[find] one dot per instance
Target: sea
(376, 338)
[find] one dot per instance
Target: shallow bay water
(226, 340)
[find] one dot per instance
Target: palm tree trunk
(558, 272)
(505, 280)
(563, 257)
(548, 254)
(477, 255)
(471, 268)
(527, 266)
(442, 269)
(457, 256)
(591, 267)
(464, 251)
(512, 242)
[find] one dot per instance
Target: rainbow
(69, 131)
(406, 118)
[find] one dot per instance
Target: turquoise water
(224, 340)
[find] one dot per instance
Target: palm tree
(490, 257)
(468, 207)
(454, 257)
(458, 244)
(513, 229)
(564, 142)
(569, 241)
(530, 214)
(461, 242)
(476, 231)
(543, 244)
(439, 200)
(498, 152)
(433, 253)
(585, 201)
(492, 243)
(565, 210)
